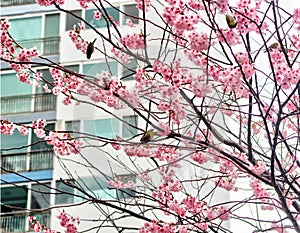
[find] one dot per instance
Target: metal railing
(46, 46)
(24, 103)
(16, 2)
(17, 222)
(41, 160)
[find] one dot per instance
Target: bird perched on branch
(148, 136)
(90, 49)
(275, 45)
(230, 21)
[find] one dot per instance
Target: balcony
(46, 46)
(28, 103)
(17, 222)
(33, 161)
(16, 2)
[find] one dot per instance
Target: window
(96, 187)
(71, 20)
(112, 12)
(64, 193)
(48, 79)
(129, 70)
(131, 12)
(27, 31)
(74, 68)
(107, 128)
(13, 196)
(73, 126)
(26, 28)
(11, 86)
(40, 196)
(15, 140)
(125, 193)
(128, 129)
(97, 68)
(37, 143)
(51, 38)
(52, 25)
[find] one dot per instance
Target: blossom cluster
(117, 184)
(37, 227)
(133, 41)
(69, 222)
(63, 143)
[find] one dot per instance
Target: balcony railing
(28, 103)
(46, 46)
(16, 2)
(17, 222)
(33, 161)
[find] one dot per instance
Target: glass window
(128, 129)
(39, 144)
(52, 25)
(40, 196)
(73, 126)
(71, 20)
(13, 141)
(14, 196)
(131, 12)
(64, 193)
(26, 28)
(48, 79)
(108, 127)
(112, 12)
(129, 70)
(94, 69)
(95, 186)
(125, 193)
(74, 68)
(11, 86)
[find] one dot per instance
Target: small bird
(148, 136)
(90, 49)
(230, 21)
(275, 45)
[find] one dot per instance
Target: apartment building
(30, 169)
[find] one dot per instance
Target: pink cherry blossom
(130, 23)
(133, 41)
(143, 4)
(97, 15)
(7, 128)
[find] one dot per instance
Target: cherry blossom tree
(217, 82)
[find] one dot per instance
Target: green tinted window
(26, 28)
(96, 187)
(108, 128)
(40, 196)
(129, 70)
(94, 69)
(64, 193)
(128, 129)
(48, 79)
(11, 86)
(13, 196)
(125, 193)
(71, 20)
(89, 16)
(131, 12)
(52, 25)
(13, 141)
(39, 143)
